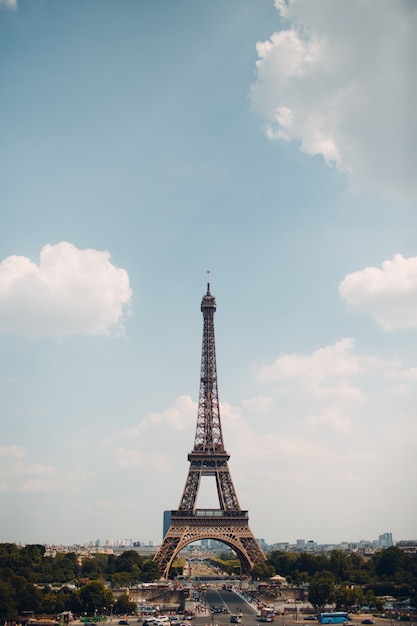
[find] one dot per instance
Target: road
(233, 603)
(248, 614)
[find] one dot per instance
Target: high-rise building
(167, 522)
(385, 540)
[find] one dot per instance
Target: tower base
(229, 527)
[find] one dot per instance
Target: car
(235, 619)
(310, 618)
(368, 620)
(124, 622)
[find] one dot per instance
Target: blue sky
(144, 143)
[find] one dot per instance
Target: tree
(66, 567)
(347, 596)
(95, 567)
(339, 564)
(121, 579)
(373, 601)
(124, 606)
(389, 561)
(127, 560)
(28, 597)
(283, 562)
(94, 597)
(150, 572)
(8, 610)
(322, 590)
(262, 571)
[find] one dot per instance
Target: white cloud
(340, 80)
(8, 4)
(16, 475)
(405, 374)
(261, 404)
(312, 442)
(128, 458)
(70, 292)
(388, 294)
(329, 418)
(327, 371)
(156, 431)
(179, 415)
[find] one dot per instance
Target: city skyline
(145, 143)
(384, 540)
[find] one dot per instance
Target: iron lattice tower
(228, 524)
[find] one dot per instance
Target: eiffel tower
(228, 524)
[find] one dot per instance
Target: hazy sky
(144, 142)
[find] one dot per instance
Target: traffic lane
(223, 619)
(213, 597)
(229, 599)
(236, 604)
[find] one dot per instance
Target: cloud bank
(340, 80)
(388, 294)
(328, 423)
(312, 441)
(70, 292)
(19, 475)
(328, 371)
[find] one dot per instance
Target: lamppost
(295, 604)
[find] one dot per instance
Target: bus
(333, 617)
(267, 614)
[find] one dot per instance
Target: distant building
(385, 540)
(167, 522)
(409, 546)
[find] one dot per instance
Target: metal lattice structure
(229, 523)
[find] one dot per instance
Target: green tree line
(26, 575)
(347, 579)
